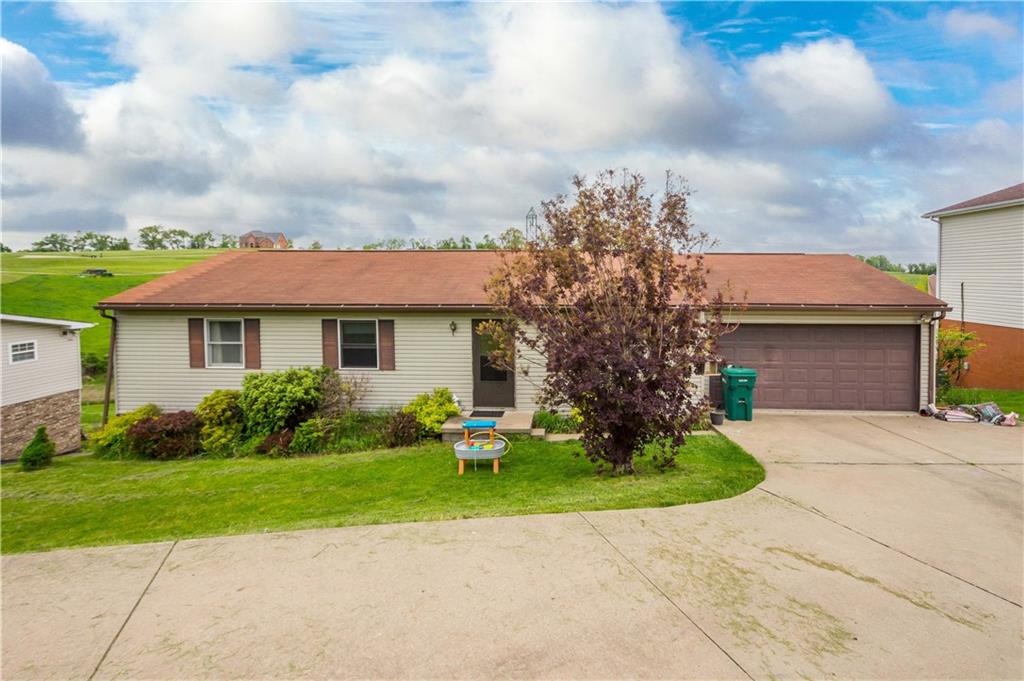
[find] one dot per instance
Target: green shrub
(109, 441)
(402, 430)
(221, 415)
(280, 400)
(432, 410)
(168, 436)
(93, 364)
(38, 453)
(553, 422)
(310, 436)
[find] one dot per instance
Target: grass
(85, 501)
(48, 285)
(918, 281)
(1008, 400)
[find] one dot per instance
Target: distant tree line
(880, 262)
(151, 238)
(510, 239)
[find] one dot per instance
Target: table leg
(462, 466)
(497, 462)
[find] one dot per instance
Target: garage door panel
(827, 366)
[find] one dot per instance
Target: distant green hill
(49, 285)
(918, 281)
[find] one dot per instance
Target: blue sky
(800, 126)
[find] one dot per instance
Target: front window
(23, 352)
(358, 344)
(224, 342)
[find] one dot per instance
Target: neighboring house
(825, 331)
(258, 239)
(41, 382)
(981, 276)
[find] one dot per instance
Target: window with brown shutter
(196, 343)
(386, 341)
(330, 342)
(252, 344)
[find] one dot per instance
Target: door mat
(488, 413)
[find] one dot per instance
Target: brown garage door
(828, 366)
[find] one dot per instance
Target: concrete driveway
(877, 547)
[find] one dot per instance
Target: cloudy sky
(800, 126)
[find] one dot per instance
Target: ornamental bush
(432, 410)
(221, 415)
(280, 400)
(553, 422)
(109, 441)
(310, 436)
(276, 444)
(168, 436)
(38, 453)
(341, 395)
(402, 430)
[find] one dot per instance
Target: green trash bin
(738, 392)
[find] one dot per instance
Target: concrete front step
(513, 422)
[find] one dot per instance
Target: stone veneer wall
(60, 413)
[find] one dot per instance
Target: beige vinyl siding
(56, 369)
(152, 357)
(985, 250)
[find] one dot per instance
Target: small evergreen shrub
(402, 430)
(38, 453)
(432, 410)
(93, 364)
(276, 444)
(280, 400)
(109, 441)
(168, 436)
(221, 415)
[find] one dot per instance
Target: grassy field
(1008, 400)
(84, 501)
(48, 285)
(918, 281)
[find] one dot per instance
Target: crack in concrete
(664, 594)
(822, 515)
(131, 612)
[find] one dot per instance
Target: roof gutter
(441, 307)
(941, 213)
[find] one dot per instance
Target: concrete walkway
(877, 547)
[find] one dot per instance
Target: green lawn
(1008, 400)
(92, 414)
(48, 285)
(84, 501)
(918, 281)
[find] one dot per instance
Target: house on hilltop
(258, 239)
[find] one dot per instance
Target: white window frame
(376, 343)
(11, 352)
(206, 343)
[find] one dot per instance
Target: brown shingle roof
(424, 279)
(1006, 195)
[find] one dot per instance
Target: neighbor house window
(23, 352)
(358, 341)
(224, 343)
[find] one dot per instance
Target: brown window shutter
(196, 343)
(330, 342)
(386, 344)
(252, 344)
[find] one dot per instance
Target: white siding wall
(56, 369)
(152, 358)
(985, 250)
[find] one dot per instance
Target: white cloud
(963, 23)
(432, 120)
(826, 93)
(35, 111)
